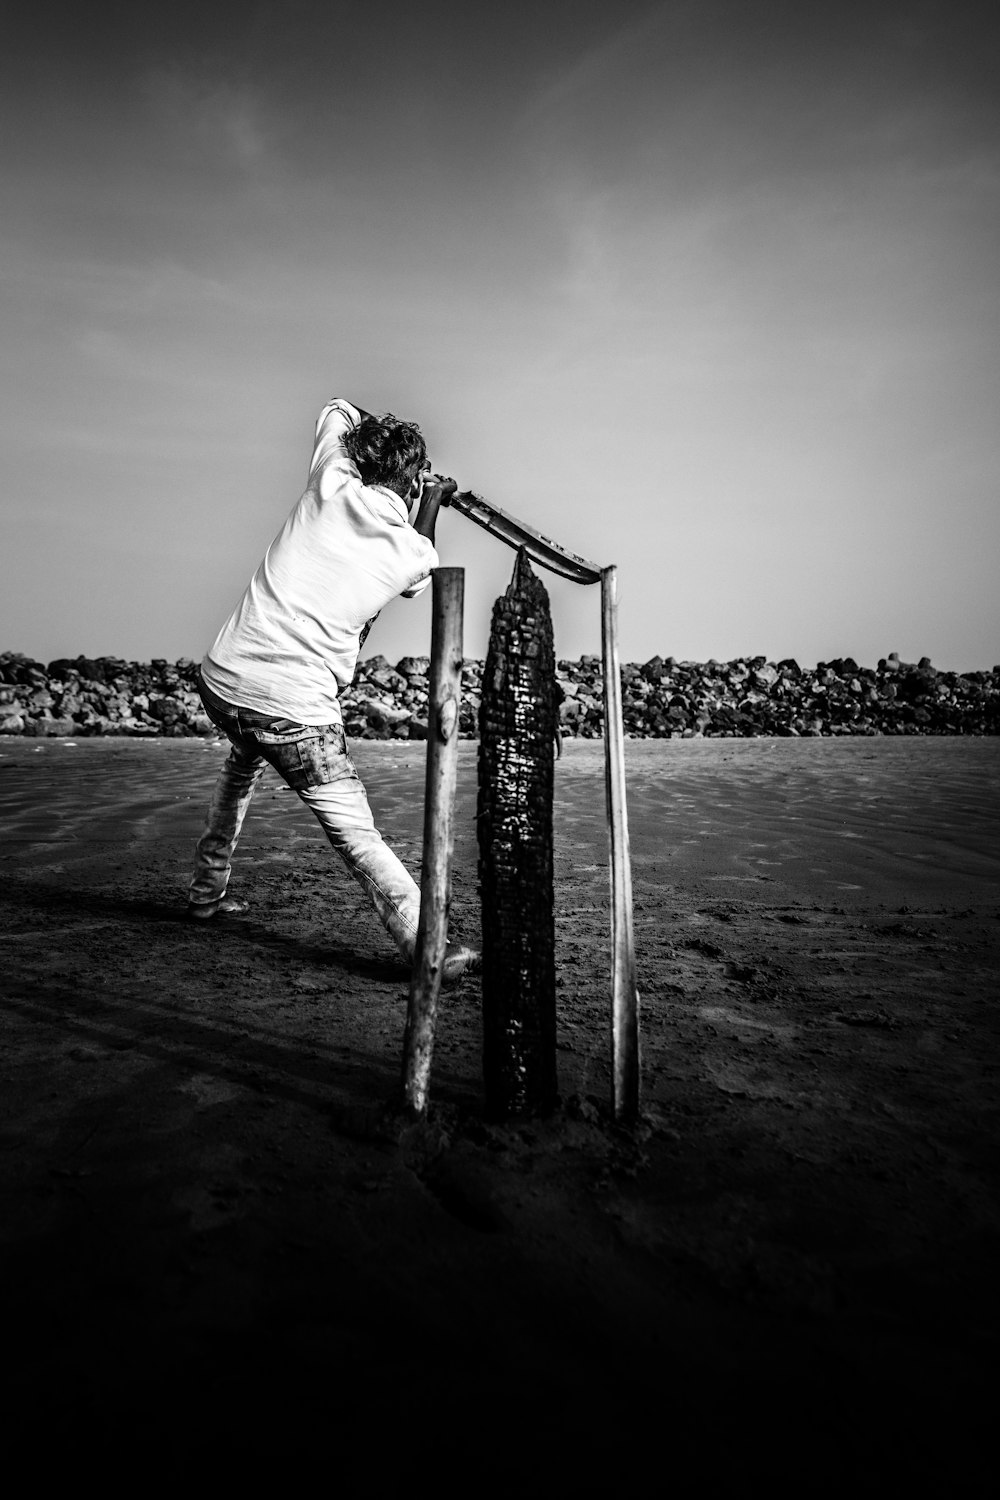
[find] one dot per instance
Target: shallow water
(893, 821)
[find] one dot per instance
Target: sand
(219, 1261)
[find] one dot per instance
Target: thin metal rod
(448, 585)
(624, 993)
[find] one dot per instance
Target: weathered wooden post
(448, 586)
(624, 993)
(518, 719)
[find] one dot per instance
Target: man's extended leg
(336, 794)
(213, 855)
(342, 808)
(341, 805)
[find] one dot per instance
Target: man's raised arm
(434, 493)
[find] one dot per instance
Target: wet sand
(216, 1255)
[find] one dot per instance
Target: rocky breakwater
(109, 696)
(105, 695)
(752, 696)
(661, 698)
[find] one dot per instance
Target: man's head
(389, 452)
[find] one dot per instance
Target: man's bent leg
(213, 853)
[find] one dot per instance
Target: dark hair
(387, 451)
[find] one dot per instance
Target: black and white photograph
(500, 745)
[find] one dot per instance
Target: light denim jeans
(314, 761)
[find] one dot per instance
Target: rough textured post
(448, 585)
(624, 994)
(517, 728)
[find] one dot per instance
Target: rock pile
(102, 696)
(662, 697)
(752, 696)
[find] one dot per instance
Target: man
(272, 680)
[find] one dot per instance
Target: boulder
(385, 677)
(50, 727)
(414, 666)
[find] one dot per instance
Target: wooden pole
(448, 585)
(624, 994)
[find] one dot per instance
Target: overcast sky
(708, 290)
